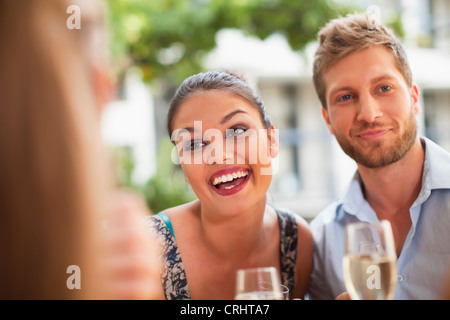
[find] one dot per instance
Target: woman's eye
(194, 145)
(235, 131)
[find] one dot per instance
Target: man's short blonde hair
(354, 32)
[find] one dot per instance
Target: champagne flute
(258, 284)
(370, 262)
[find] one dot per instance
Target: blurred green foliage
(166, 188)
(169, 38)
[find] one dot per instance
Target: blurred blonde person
(57, 205)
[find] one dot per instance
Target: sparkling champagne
(259, 295)
(370, 277)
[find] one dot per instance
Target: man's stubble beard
(375, 154)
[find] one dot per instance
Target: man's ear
(415, 97)
(327, 120)
(273, 141)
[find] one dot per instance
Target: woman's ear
(273, 141)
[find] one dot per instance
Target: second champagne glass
(370, 263)
(258, 284)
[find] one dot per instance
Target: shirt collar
(436, 169)
(436, 175)
(352, 201)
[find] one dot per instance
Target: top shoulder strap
(167, 221)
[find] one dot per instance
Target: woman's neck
(234, 235)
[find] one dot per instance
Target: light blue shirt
(424, 262)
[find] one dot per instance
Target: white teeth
(229, 177)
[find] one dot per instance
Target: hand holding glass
(258, 284)
(370, 263)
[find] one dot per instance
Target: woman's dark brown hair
(216, 80)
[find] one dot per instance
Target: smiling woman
(225, 142)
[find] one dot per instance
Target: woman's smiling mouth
(229, 181)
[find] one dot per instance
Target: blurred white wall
(130, 123)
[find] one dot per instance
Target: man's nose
(369, 108)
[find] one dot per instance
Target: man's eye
(385, 88)
(345, 97)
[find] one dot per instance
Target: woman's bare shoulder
(182, 210)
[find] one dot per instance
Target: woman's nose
(217, 153)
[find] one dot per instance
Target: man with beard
(369, 103)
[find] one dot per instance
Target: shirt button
(400, 278)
